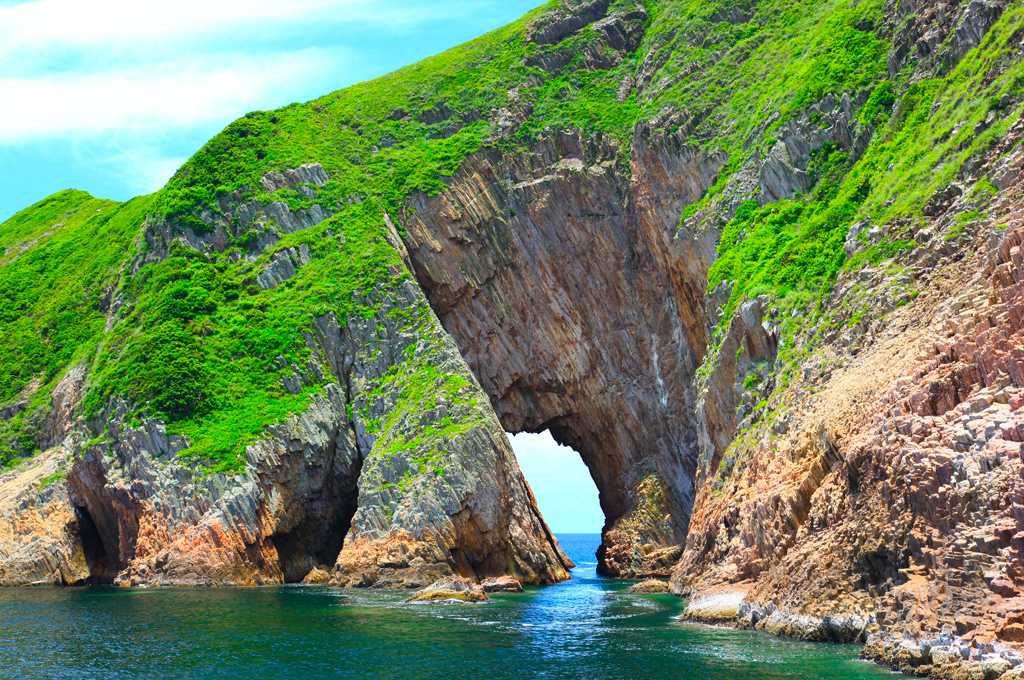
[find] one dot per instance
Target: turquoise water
(587, 628)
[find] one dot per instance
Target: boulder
(317, 576)
(502, 584)
(651, 586)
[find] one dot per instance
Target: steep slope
(756, 262)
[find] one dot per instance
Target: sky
(112, 96)
(561, 483)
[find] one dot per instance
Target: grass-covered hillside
(188, 330)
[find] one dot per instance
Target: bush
(172, 373)
(879, 105)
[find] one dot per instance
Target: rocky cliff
(758, 263)
(573, 304)
(438, 488)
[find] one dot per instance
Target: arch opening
(566, 493)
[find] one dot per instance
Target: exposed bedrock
(889, 506)
(157, 521)
(558, 275)
(377, 482)
(440, 492)
(40, 541)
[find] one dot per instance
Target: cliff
(759, 263)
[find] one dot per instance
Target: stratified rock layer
(127, 508)
(577, 308)
(888, 508)
(40, 533)
(830, 451)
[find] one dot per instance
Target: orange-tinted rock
(896, 491)
(502, 584)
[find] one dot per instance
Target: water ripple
(587, 629)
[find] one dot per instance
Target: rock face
(40, 533)
(574, 305)
(552, 27)
(129, 510)
(885, 505)
(157, 522)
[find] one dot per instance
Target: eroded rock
(450, 588)
(650, 587)
(558, 349)
(501, 584)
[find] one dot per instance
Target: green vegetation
(417, 387)
(61, 256)
(199, 344)
(57, 476)
(796, 245)
(208, 349)
(879, 105)
(786, 56)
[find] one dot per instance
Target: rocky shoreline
(946, 656)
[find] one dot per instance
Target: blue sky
(565, 492)
(112, 96)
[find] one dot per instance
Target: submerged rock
(450, 588)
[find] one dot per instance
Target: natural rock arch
(580, 310)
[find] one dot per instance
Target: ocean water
(588, 628)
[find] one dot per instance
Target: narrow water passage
(587, 628)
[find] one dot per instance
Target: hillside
(757, 262)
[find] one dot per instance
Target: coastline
(944, 657)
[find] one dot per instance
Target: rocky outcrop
(282, 267)
(885, 506)
(715, 606)
(938, 36)
(574, 305)
(501, 584)
(650, 587)
(833, 454)
(450, 588)
(40, 533)
(745, 355)
(158, 522)
(439, 492)
(556, 25)
(828, 126)
(304, 180)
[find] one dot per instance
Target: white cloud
(135, 163)
(96, 65)
(107, 22)
(125, 82)
(184, 93)
(111, 76)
